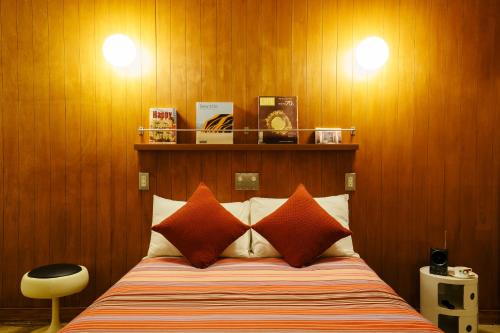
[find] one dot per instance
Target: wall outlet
(350, 181)
(143, 181)
(248, 181)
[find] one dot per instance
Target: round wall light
(372, 53)
(119, 50)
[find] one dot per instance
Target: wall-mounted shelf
(245, 147)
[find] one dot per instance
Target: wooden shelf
(263, 147)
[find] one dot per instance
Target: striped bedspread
(250, 295)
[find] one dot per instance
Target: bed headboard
(175, 174)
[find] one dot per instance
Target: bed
(336, 294)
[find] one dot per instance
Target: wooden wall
(177, 174)
(429, 155)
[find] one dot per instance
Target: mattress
(249, 295)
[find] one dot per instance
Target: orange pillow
(300, 229)
(201, 229)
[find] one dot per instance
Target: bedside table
(449, 302)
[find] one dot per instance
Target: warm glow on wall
(372, 53)
(119, 50)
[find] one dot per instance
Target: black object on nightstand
(439, 261)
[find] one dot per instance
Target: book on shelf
(162, 119)
(215, 120)
(277, 119)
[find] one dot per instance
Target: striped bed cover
(250, 295)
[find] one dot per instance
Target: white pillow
(337, 206)
(159, 246)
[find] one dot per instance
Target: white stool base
(55, 323)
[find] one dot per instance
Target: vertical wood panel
(299, 61)
(420, 155)
(178, 175)
(366, 101)
(238, 164)
(224, 57)
(254, 165)
(153, 30)
(26, 137)
(163, 180)
(405, 120)
(314, 67)
(454, 46)
(284, 48)
(389, 148)
(10, 150)
(209, 50)
(1, 161)
(104, 171)
(194, 174)
(238, 68)
(329, 65)
(267, 39)
(253, 50)
(426, 125)
(149, 162)
(282, 162)
(136, 28)
(193, 64)
(178, 62)
(224, 176)
(88, 145)
(344, 62)
(72, 69)
(438, 65)
(488, 147)
(468, 197)
(58, 225)
(208, 171)
(118, 153)
(268, 179)
(163, 65)
(493, 99)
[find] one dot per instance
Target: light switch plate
(143, 181)
(350, 181)
(246, 181)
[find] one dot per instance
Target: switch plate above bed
(143, 181)
(350, 181)
(247, 181)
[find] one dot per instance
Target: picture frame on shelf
(328, 135)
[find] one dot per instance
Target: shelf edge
(245, 147)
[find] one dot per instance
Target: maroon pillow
(300, 229)
(201, 229)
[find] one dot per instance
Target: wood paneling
(426, 126)
(10, 132)
(280, 173)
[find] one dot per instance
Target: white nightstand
(449, 302)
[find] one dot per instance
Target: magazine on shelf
(278, 117)
(162, 118)
(215, 120)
